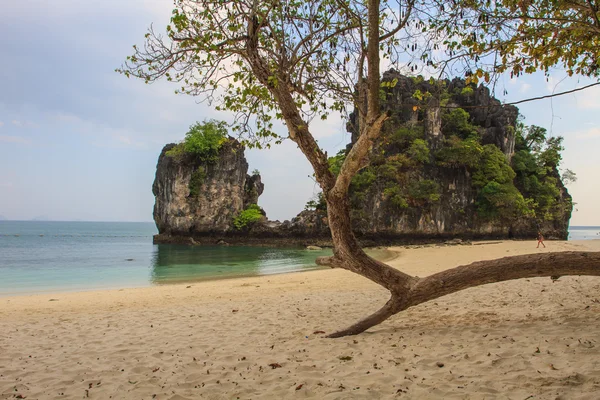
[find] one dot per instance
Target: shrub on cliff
(247, 217)
(203, 140)
(196, 181)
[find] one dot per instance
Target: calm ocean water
(38, 257)
(584, 232)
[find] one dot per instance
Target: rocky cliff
(453, 162)
(439, 171)
(195, 197)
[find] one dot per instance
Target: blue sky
(80, 142)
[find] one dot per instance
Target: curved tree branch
(480, 273)
(376, 318)
(504, 269)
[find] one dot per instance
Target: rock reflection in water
(178, 263)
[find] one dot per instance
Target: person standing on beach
(540, 240)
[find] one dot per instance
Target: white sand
(526, 339)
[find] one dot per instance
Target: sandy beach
(262, 337)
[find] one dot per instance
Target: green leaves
(196, 181)
(523, 37)
(248, 217)
(335, 162)
(460, 153)
(203, 141)
(493, 167)
(536, 166)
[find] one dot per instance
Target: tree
(294, 61)
(203, 140)
(568, 177)
(525, 36)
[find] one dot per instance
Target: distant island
(467, 168)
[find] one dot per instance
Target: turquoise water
(584, 232)
(37, 257)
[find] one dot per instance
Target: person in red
(540, 240)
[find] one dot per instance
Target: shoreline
(389, 255)
(262, 337)
(382, 254)
(392, 255)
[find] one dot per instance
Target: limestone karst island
(318, 199)
(466, 169)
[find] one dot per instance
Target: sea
(45, 257)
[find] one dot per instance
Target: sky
(80, 142)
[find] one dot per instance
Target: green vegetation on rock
(248, 217)
(401, 170)
(203, 140)
(459, 152)
(317, 203)
(456, 122)
(535, 163)
(196, 181)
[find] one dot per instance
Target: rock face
(197, 202)
(223, 190)
(455, 214)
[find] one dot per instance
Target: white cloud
(6, 184)
(24, 124)
(552, 84)
(66, 118)
(102, 135)
(588, 133)
(525, 88)
(74, 8)
(14, 139)
(1, 124)
(129, 142)
(589, 98)
(117, 139)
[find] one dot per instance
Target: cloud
(6, 184)
(589, 98)
(525, 88)
(103, 135)
(66, 118)
(1, 124)
(129, 142)
(23, 124)
(118, 139)
(14, 139)
(552, 84)
(589, 133)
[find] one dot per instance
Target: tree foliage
(317, 203)
(196, 181)
(523, 36)
(247, 217)
(203, 140)
(295, 61)
(456, 122)
(535, 162)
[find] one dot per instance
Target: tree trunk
(407, 291)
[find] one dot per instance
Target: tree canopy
(295, 61)
(525, 36)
